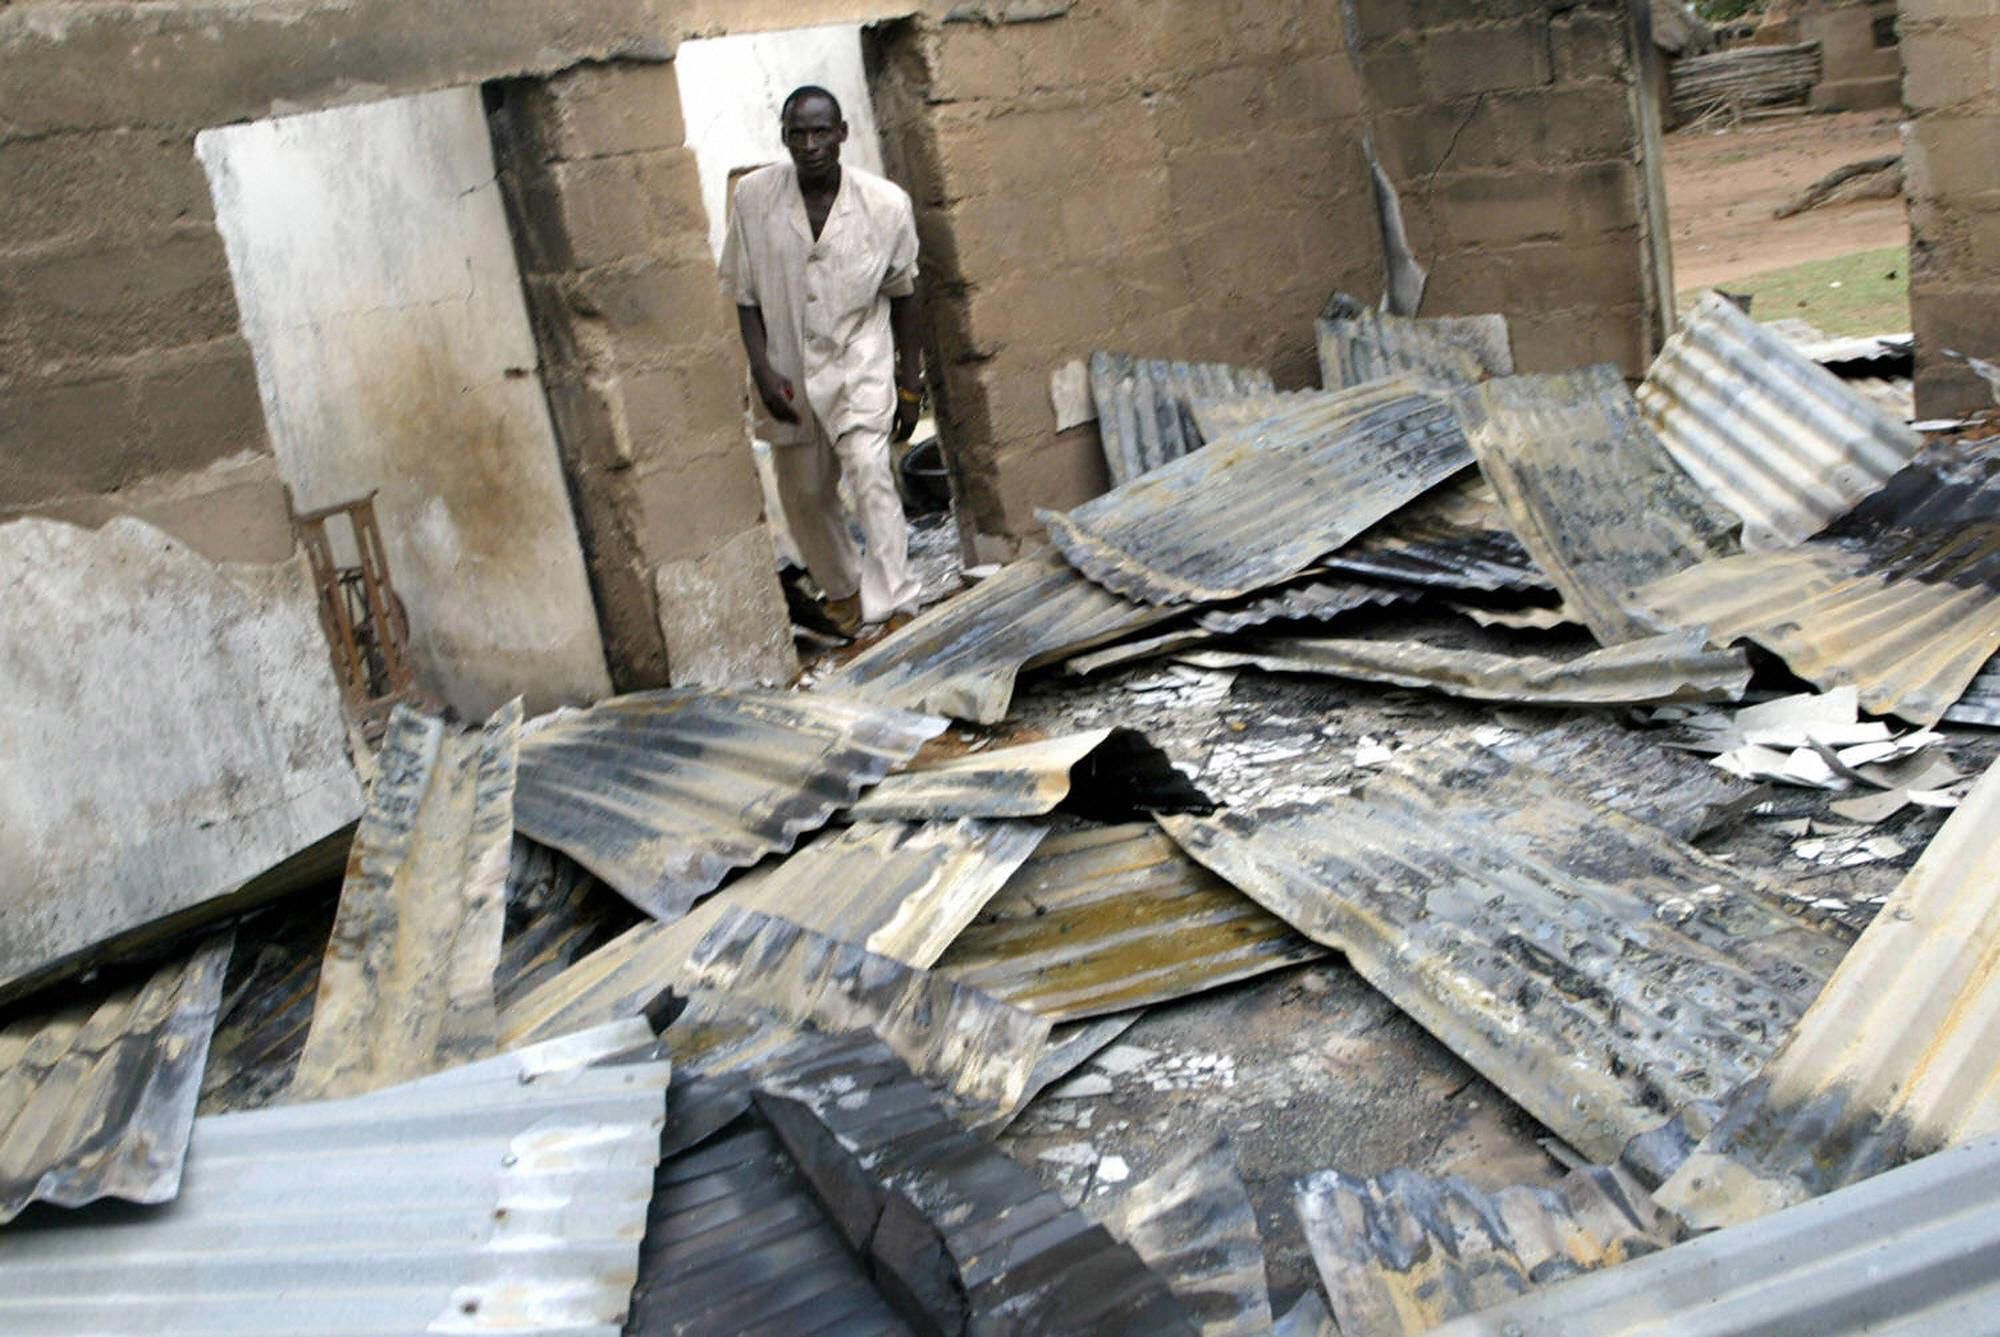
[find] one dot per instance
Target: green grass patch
(1864, 293)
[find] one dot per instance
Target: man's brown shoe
(846, 614)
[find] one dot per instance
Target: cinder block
(653, 308)
(665, 410)
(1952, 156)
(1219, 105)
(1552, 276)
(1508, 208)
(612, 208)
(723, 616)
(122, 298)
(980, 153)
(971, 62)
(1910, 13)
(1060, 471)
(68, 437)
(1578, 123)
(1461, 61)
(688, 503)
(1950, 64)
(104, 184)
(1417, 142)
(1590, 46)
(201, 405)
(1566, 340)
(623, 107)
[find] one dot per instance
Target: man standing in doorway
(821, 260)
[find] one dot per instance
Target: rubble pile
(1455, 851)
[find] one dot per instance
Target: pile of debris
(1445, 740)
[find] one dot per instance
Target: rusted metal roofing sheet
(1601, 973)
(1980, 702)
(961, 1236)
(1591, 492)
(1248, 510)
(1096, 773)
(1916, 1251)
(406, 987)
(506, 1196)
(1446, 350)
(961, 658)
(1674, 667)
(1401, 1253)
(97, 1098)
(661, 794)
(980, 1049)
(1895, 1060)
(902, 890)
(1455, 537)
(1143, 406)
(735, 1242)
(1775, 437)
(1192, 1223)
(1111, 918)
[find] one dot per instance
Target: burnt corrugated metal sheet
(1219, 417)
(736, 1243)
(1980, 702)
(1401, 1253)
(1143, 406)
(1744, 76)
(1776, 438)
(1629, 771)
(903, 891)
(1253, 508)
(406, 987)
(1674, 667)
(1095, 773)
(1591, 492)
(1112, 918)
(661, 794)
(1192, 1223)
(1133, 651)
(507, 1196)
(1445, 350)
(1455, 537)
(97, 1098)
(961, 658)
(1895, 1060)
(960, 1235)
(1601, 973)
(1317, 600)
(980, 1049)
(1914, 1251)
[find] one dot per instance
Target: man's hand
(909, 407)
(776, 392)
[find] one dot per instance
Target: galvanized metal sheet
(1192, 1223)
(736, 1243)
(1215, 418)
(1248, 510)
(1980, 702)
(1601, 973)
(97, 1098)
(406, 987)
(1095, 773)
(1317, 600)
(1444, 350)
(1916, 1251)
(1895, 1060)
(507, 1196)
(960, 1234)
(1454, 537)
(1135, 651)
(902, 890)
(1401, 1252)
(1677, 666)
(661, 794)
(1591, 492)
(1630, 771)
(961, 658)
(1143, 406)
(1111, 918)
(1778, 439)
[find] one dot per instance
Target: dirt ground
(1722, 187)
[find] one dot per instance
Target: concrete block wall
(1951, 144)
(644, 371)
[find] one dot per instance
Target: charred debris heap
(1619, 751)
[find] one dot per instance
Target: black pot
(924, 480)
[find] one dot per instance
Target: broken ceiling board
(961, 658)
(1896, 1058)
(1454, 537)
(1779, 440)
(661, 794)
(1192, 1223)
(126, 650)
(1673, 667)
(970, 1044)
(1628, 771)
(1980, 702)
(1097, 773)
(406, 987)
(507, 1195)
(958, 1234)
(1251, 509)
(1318, 599)
(902, 890)
(1143, 413)
(1402, 1252)
(1591, 492)
(736, 1242)
(97, 1098)
(1110, 918)
(1602, 974)
(1916, 1250)
(1899, 599)
(1366, 346)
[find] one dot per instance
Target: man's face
(813, 136)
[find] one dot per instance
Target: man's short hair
(805, 92)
